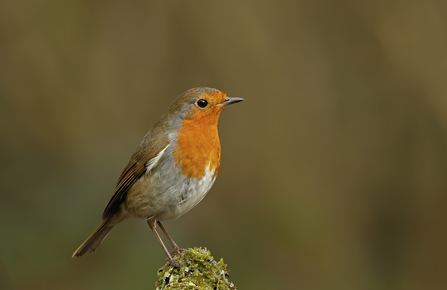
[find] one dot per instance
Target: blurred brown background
(333, 173)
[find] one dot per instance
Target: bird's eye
(202, 103)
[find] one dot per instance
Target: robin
(171, 170)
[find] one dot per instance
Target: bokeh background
(334, 169)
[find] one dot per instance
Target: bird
(171, 170)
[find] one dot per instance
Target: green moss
(198, 271)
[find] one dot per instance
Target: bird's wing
(143, 161)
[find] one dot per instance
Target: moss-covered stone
(198, 270)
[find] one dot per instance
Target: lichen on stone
(198, 270)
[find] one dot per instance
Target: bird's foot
(178, 251)
(173, 262)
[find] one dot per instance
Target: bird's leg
(153, 225)
(177, 249)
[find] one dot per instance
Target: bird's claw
(173, 262)
(178, 251)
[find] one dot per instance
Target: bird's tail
(92, 243)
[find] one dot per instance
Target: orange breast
(198, 146)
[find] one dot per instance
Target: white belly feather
(196, 191)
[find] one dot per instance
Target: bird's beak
(228, 101)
